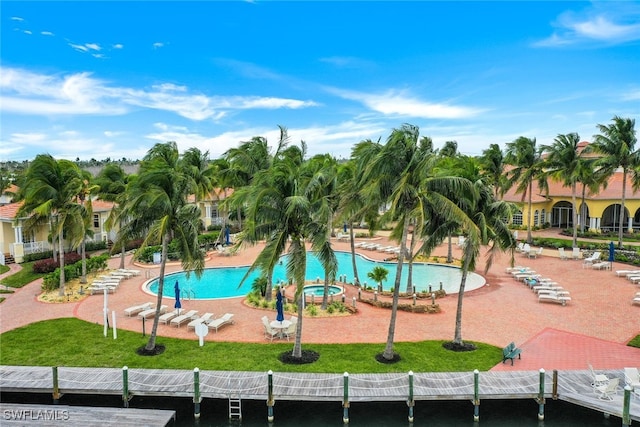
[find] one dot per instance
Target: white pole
(105, 312)
(113, 316)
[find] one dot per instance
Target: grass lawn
(73, 342)
(22, 277)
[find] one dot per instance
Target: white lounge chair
(135, 309)
(589, 261)
(576, 254)
(627, 273)
(225, 319)
(202, 319)
(533, 253)
(597, 380)
(166, 318)
(606, 392)
(179, 320)
(602, 265)
(563, 255)
(128, 270)
(291, 330)
(632, 378)
(554, 297)
(149, 313)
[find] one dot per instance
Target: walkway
(593, 328)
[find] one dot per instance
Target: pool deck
(593, 328)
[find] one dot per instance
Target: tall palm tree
(112, 185)
(399, 174)
(50, 189)
(493, 169)
(526, 158)
(196, 166)
(158, 208)
(280, 210)
(84, 198)
(564, 163)
(617, 143)
(592, 179)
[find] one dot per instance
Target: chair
(563, 254)
(135, 309)
(149, 313)
(555, 297)
(597, 380)
(291, 330)
(225, 319)
(166, 318)
(636, 299)
(179, 320)
(520, 247)
(533, 253)
(269, 332)
(588, 262)
(202, 319)
(602, 265)
(606, 392)
(576, 254)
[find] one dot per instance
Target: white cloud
(397, 103)
(47, 33)
(118, 46)
(112, 134)
(93, 46)
(605, 22)
(25, 92)
(158, 45)
(17, 18)
(27, 32)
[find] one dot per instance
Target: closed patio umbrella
(279, 308)
(178, 304)
(612, 249)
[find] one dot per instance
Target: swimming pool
(318, 290)
(222, 282)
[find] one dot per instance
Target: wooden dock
(571, 386)
(86, 416)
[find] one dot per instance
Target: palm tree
(84, 198)
(378, 275)
(281, 209)
(196, 166)
(399, 174)
(493, 169)
(592, 179)
(617, 144)
(563, 163)
(158, 208)
(112, 185)
(50, 189)
(528, 167)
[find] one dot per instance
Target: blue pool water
(223, 282)
(318, 290)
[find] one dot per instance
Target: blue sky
(110, 79)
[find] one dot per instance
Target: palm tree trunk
(61, 257)
(122, 251)
(583, 216)
(388, 351)
(624, 193)
(356, 279)
(409, 289)
(449, 250)
(269, 287)
(297, 346)
(83, 278)
(151, 344)
(575, 215)
(463, 281)
(529, 238)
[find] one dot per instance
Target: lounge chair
(269, 332)
(166, 318)
(533, 253)
(149, 313)
(603, 265)
(627, 273)
(179, 320)
(135, 309)
(632, 377)
(576, 254)
(202, 319)
(520, 247)
(96, 288)
(225, 319)
(636, 300)
(563, 255)
(554, 297)
(128, 270)
(606, 392)
(589, 261)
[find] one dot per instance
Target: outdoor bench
(510, 352)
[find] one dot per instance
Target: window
(517, 218)
(96, 221)
(536, 217)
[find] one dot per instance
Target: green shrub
(312, 310)
(38, 256)
(95, 246)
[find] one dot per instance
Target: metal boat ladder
(235, 407)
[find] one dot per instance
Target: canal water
(214, 412)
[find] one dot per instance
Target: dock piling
(345, 399)
(56, 387)
(196, 393)
(626, 417)
(476, 395)
(270, 396)
(410, 402)
(541, 396)
(125, 386)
